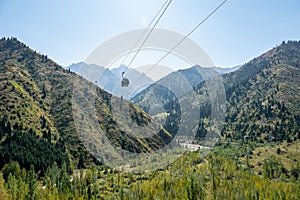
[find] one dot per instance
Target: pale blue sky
(69, 30)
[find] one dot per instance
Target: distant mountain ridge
(109, 79)
(225, 70)
(183, 80)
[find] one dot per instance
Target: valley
(231, 136)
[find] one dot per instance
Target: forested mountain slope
(264, 96)
(36, 106)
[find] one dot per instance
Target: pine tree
(31, 180)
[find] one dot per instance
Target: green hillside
(36, 100)
(263, 97)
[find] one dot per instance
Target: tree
(278, 151)
(81, 162)
(194, 191)
(13, 168)
(31, 180)
(44, 91)
(3, 192)
(16, 188)
(273, 168)
(121, 193)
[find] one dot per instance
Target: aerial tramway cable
(142, 35)
(185, 37)
(148, 35)
(162, 10)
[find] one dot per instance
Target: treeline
(57, 183)
(96, 182)
(27, 148)
(219, 177)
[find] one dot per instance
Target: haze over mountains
(226, 70)
(110, 79)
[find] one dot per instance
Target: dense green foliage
(17, 145)
(220, 175)
(217, 177)
(265, 108)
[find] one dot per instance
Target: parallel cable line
(148, 35)
(142, 35)
(186, 36)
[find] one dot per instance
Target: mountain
(183, 79)
(264, 96)
(262, 99)
(37, 113)
(137, 81)
(226, 70)
(105, 78)
(160, 72)
(154, 98)
(110, 79)
(175, 102)
(193, 76)
(85, 69)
